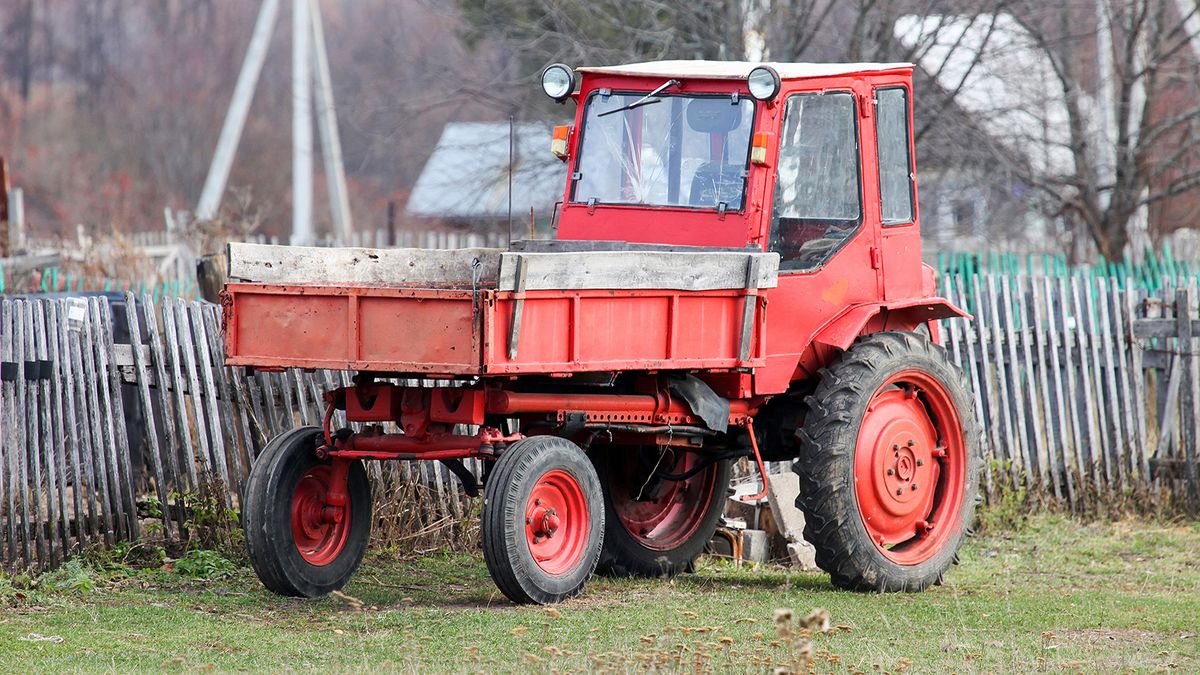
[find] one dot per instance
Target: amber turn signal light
(558, 145)
(758, 151)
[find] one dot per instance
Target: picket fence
(1085, 386)
(118, 409)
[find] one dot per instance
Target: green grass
(1057, 595)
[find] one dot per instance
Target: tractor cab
(801, 159)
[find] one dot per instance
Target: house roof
(737, 70)
(466, 177)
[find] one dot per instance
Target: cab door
(900, 237)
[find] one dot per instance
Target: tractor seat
(808, 244)
(717, 182)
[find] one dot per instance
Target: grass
(1056, 595)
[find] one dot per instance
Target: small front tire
(543, 520)
(299, 543)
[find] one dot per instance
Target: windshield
(673, 150)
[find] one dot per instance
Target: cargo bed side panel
(385, 329)
(590, 330)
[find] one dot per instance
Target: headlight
(763, 82)
(558, 81)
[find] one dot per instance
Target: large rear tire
(298, 543)
(655, 527)
(889, 464)
(543, 523)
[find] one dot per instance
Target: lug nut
(895, 447)
(914, 487)
(537, 502)
(920, 462)
(911, 442)
(891, 471)
(900, 491)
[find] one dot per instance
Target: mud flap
(704, 402)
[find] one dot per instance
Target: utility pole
(239, 107)
(331, 144)
(302, 132)
(310, 71)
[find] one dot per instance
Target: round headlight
(558, 81)
(763, 82)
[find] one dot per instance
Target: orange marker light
(559, 143)
(758, 151)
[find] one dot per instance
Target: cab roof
(738, 70)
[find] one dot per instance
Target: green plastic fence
(53, 280)
(1158, 269)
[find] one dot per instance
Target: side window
(818, 200)
(895, 163)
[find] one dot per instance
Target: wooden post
(391, 223)
(1189, 415)
(16, 220)
(4, 187)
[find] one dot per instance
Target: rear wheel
(660, 508)
(889, 464)
(301, 537)
(543, 523)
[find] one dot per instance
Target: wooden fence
(116, 408)
(1085, 386)
(96, 449)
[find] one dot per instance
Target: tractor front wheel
(543, 520)
(661, 506)
(307, 521)
(889, 464)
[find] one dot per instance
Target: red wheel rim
(556, 522)
(661, 514)
(909, 468)
(319, 529)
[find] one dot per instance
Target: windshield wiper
(652, 97)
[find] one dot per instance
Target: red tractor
(736, 272)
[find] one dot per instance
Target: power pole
(310, 71)
(239, 107)
(302, 132)
(331, 144)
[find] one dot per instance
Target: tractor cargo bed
(493, 312)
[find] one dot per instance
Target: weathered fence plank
(1189, 415)
(166, 411)
(142, 370)
(1068, 338)
(103, 311)
(8, 416)
(46, 451)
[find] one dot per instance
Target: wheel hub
(319, 529)
(906, 481)
(666, 512)
(556, 522)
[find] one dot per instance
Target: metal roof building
(466, 177)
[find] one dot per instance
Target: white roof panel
(467, 174)
(736, 70)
